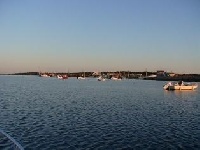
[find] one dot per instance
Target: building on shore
(166, 76)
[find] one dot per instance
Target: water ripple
(131, 114)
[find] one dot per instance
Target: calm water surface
(47, 113)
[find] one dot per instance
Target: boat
(63, 77)
(81, 77)
(101, 78)
(180, 86)
(116, 78)
(45, 75)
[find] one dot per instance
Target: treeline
(26, 73)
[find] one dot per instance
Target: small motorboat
(44, 75)
(81, 78)
(116, 78)
(62, 77)
(180, 86)
(101, 78)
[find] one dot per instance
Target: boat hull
(180, 86)
(116, 79)
(81, 78)
(187, 87)
(62, 77)
(101, 78)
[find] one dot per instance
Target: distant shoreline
(125, 74)
(89, 72)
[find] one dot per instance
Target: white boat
(81, 78)
(116, 78)
(62, 77)
(101, 78)
(59, 76)
(44, 75)
(180, 86)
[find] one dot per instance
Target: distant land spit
(159, 75)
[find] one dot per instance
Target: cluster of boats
(59, 76)
(180, 86)
(100, 78)
(169, 86)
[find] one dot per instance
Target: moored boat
(180, 86)
(81, 78)
(101, 78)
(44, 75)
(116, 78)
(62, 77)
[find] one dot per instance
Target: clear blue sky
(99, 35)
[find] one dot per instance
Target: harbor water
(48, 113)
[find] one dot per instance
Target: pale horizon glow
(105, 35)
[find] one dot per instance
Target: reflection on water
(47, 113)
(182, 94)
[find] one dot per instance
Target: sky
(99, 35)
